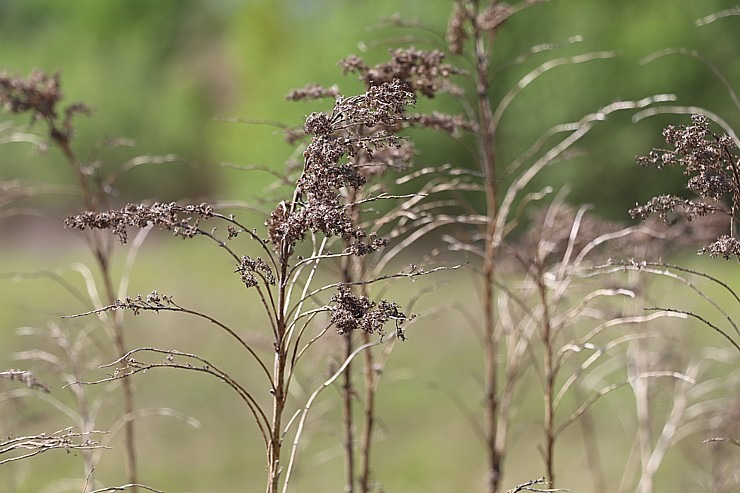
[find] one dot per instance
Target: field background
(163, 73)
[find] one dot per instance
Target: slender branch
(38, 444)
(310, 401)
(702, 319)
(610, 388)
(133, 367)
(126, 487)
(139, 304)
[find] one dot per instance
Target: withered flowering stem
(40, 94)
(310, 401)
(316, 207)
(415, 272)
(133, 367)
(38, 444)
(137, 305)
(125, 487)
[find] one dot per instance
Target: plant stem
(101, 252)
(549, 369)
(347, 394)
(349, 438)
(369, 416)
(278, 389)
(486, 136)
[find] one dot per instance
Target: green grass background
(424, 442)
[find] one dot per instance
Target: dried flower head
(373, 244)
(712, 163)
(711, 160)
(353, 64)
(663, 205)
(39, 94)
(725, 246)
(398, 157)
(26, 378)
(153, 301)
(351, 312)
(313, 91)
(450, 124)
(493, 16)
(456, 34)
(419, 71)
(181, 220)
(286, 226)
(349, 130)
(250, 269)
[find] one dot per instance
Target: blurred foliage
(162, 73)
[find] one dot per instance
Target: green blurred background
(163, 73)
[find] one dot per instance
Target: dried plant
(25, 447)
(710, 160)
(421, 73)
(508, 334)
(712, 163)
(321, 205)
(548, 318)
(26, 377)
(40, 95)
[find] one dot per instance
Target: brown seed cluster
(330, 165)
(313, 91)
(712, 163)
(351, 312)
(181, 220)
(420, 71)
(39, 94)
(250, 269)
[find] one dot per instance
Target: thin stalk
(101, 252)
(487, 158)
(347, 393)
(278, 388)
(550, 370)
(349, 437)
(368, 416)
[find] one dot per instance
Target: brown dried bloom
(286, 226)
(493, 16)
(418, 70)
(331, 218)
(353, 64)
(398, 156)
(350, 129)
(725, 246)
(181, 220)
(456, 34)
(711, 160)
(26, 378)
(373, 244)
(384, 103)
(39, 94)
(663, 205)
(250, 268)
(450, 124)
(351, 312)
(712, 163)
(313, 91)
(154, 301)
